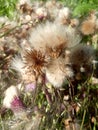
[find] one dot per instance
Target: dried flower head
(26, 8)
(57, 72)
(10, 93)
(53, 38)
(81, 58)
(35, 61)
(88, 26)
(13, 102)
(63, 16)
(52, 8)
(82, 54)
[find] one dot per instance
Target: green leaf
(83, 9)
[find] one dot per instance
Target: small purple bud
(17, 105)
(30, 87)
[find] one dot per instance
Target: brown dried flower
(82, 54)
(88, 26)
(81, 59)
(26, 8)
(35, 61)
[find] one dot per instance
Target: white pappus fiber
(17, 64)
(57, 72)
(52, 35)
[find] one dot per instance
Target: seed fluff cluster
(46, 55)
(53, 57)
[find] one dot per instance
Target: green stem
(81, 128)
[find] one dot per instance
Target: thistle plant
(49, 66)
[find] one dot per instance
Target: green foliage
(84, 8)
(81, 7)
(7, 8)
(89, 105)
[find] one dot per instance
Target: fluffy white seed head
(65, 12)
(54, 74)
(88, 27)
(10, 93)
(73, 36)
(63, 15)
(57, 72)
(19, 65)
(52, 8)
(52, 35)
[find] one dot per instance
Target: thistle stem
(48, 96)
(84, 114)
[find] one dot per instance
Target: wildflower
(35, 61)
(30, 87)
(88, 26)
(57, 72)
(53, 38)
(63, 16)
(52, 9)
(82, 54)
(12, 101)
(81, 58)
